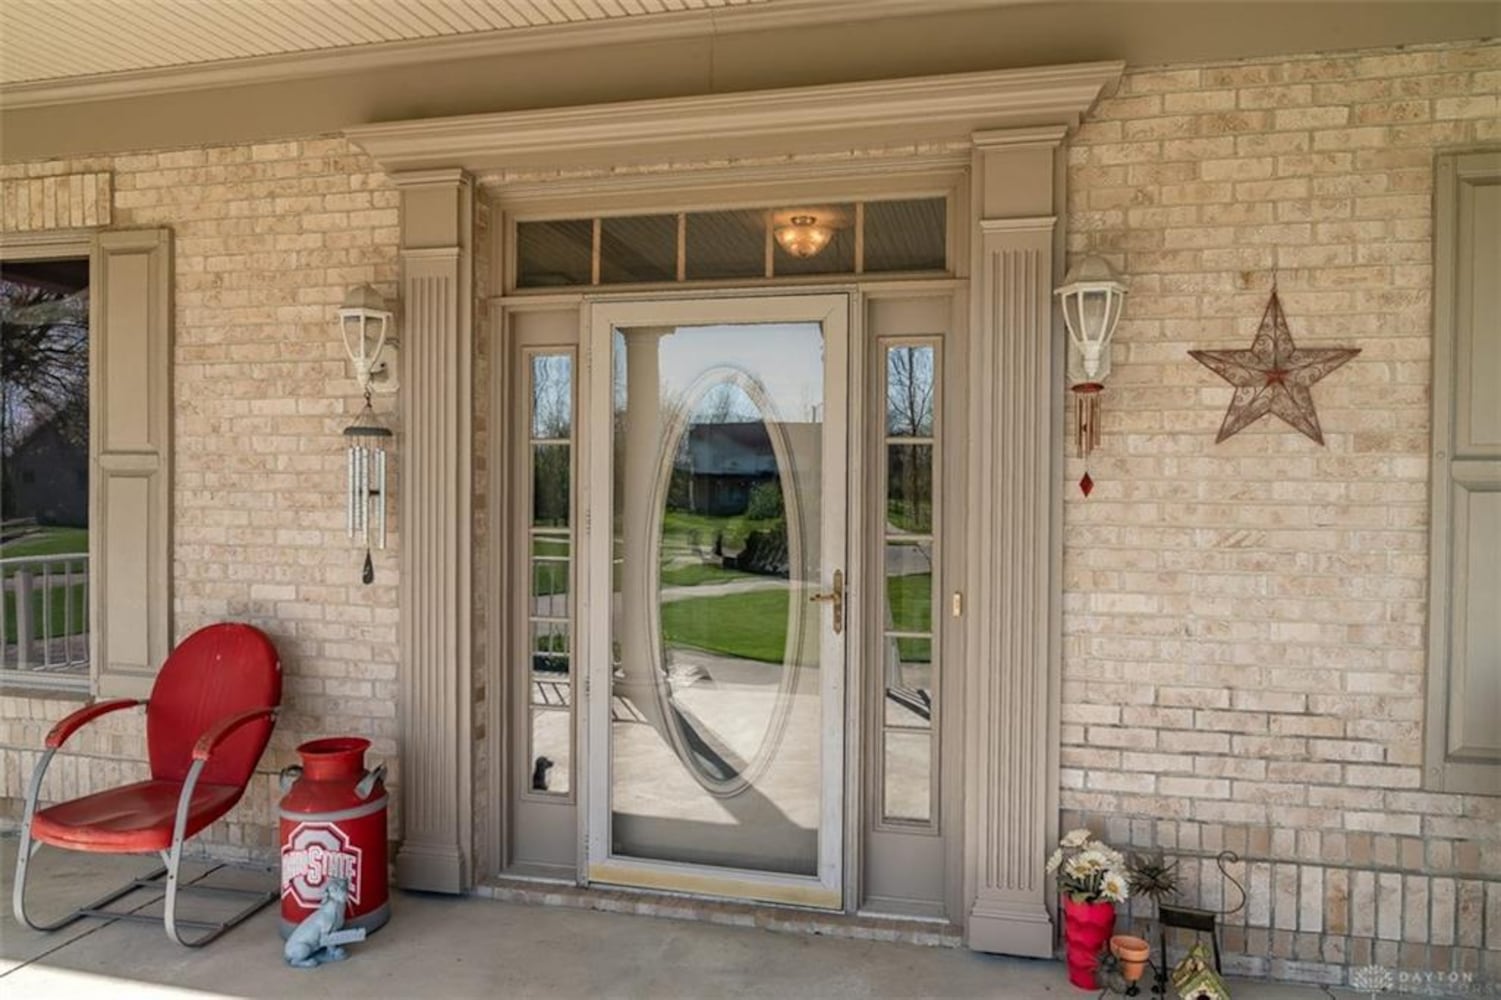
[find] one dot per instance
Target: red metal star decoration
(1273, 376)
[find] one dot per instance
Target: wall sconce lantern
(803, 236)
(1092, 296)
(365, 324)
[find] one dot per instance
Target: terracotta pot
(1133, 953)
(1086, 928)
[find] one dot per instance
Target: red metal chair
(208, 721)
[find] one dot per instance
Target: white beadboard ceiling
(56, 39)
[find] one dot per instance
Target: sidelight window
(908, 658)
(550, 685)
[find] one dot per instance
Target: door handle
(836, 598)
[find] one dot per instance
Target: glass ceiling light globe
(803, 237)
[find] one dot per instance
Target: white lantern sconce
(1092, 298)
(365, 324)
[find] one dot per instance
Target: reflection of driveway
(721, 589)
(908, 558)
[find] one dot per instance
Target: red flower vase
(1086, 930)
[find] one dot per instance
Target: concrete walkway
(437, 947)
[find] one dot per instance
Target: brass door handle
(836, 598)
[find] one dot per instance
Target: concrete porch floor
(439, 946)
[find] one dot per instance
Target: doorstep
(784, 919)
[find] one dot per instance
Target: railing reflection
(45, 624)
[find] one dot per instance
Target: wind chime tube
(361, 493)
(380, 510)
(1086, 417)
(365, 494)
(349, 491)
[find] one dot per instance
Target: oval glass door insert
(728, 526)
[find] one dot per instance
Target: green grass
(694, 574)
(47, 542)
(680, 530)
(751, 626)
(913, 518)
(911, 600)
(549, 578)
(51, 620)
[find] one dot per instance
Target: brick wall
(267, 240)
(1244, 622)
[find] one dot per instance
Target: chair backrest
(217, 672)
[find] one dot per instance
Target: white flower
(1055, 861)
(1075, 838)
(1113, 887)
(1092, 861)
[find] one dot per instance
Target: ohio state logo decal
(315, 853)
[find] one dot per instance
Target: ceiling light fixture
(803, 237)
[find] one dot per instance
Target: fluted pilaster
(436, 490)
(1012, 710)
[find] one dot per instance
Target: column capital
(1041, 136)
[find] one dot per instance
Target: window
(908, 657)
(549, 614)
(104, 619)
(878, 237)
(1462, 741)
(44, 496)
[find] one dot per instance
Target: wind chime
(364, 321)
(1091, 297)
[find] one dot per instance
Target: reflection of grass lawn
(911, 601)
(47, 542)
(682, 530)
(52, 620)
(549, 578)
(694, 574)
(752, 626)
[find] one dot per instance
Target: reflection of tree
(44, 363)
(552, 395)
(909, 391)
(552, 419)
(909, 413)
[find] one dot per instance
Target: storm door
(716, 450)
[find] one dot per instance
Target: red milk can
(333, 824)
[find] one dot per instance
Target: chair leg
(174, 862)
(27, 848)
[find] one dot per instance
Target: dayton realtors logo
(1372, 979)
(315, 853)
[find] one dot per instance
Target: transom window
(874, 237)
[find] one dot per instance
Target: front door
(715, 648)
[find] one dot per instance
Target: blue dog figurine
(318, 938)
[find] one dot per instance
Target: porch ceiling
(53, 39)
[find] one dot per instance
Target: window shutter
(130, 498)
(1463, 742)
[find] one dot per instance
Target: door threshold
(535, 891)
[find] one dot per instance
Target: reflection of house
(720, 464)
(47, 477)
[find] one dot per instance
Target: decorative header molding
(724, 127)
(61, 201)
